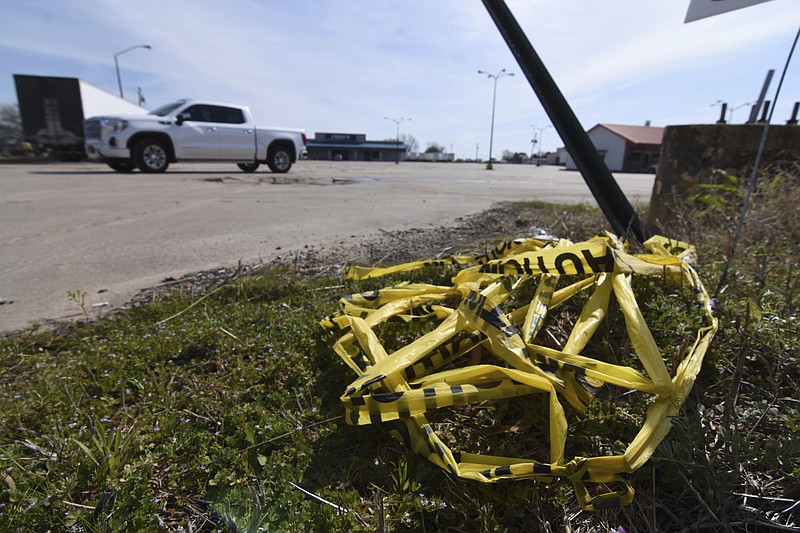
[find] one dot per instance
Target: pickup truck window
(227, 115)
(215, 113)
(199, 113)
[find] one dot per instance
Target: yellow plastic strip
(484, 349)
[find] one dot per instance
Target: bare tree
(10, 124)
(408, 140)
(412, 146)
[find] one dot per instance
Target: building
(625, 148)
(353, 147)
(560, 157)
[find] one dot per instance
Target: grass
(223, 414)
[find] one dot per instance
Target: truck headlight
(115, 125)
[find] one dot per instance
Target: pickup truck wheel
(150, 155)
(248, 167)
(279, 159)
(122, 166)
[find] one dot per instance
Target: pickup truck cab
(188, 130)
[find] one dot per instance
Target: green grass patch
(222, 413)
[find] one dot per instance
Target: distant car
(652, 169)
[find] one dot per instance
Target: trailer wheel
(122, 166)
(150, 155)
(248, 167)
(279, 159)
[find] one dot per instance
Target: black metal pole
(609, 196)
(722, 114)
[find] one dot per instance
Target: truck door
(198, 136)
(236, 136)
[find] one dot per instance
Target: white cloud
(343, 65)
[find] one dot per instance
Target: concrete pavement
(81, 226)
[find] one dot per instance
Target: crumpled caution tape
(444, 367)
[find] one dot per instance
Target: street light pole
(116, 62)
(541, 132)
(494, 100)
(397, 122)
(734, 108)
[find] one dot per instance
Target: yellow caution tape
(444, 367)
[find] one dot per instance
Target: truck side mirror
(180, 118)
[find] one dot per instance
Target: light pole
(540, 130)
(732, 109)
(116, 62)
(494, 100)
(397, 122)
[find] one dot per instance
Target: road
(81, 226)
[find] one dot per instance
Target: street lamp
(116, 62)
(732, 109)
(540, 130)
(494, 99)
(397, 122)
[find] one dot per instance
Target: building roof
(368, 145)
(636, 134)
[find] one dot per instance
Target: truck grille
(92, 129)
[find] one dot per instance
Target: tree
(411, 143)
(514, 157)
(434, 148)
(408, 140)
(10, 124)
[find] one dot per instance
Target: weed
(78, 297)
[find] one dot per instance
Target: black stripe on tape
(502, 471)
(388, 397)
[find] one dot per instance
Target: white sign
(700, 9)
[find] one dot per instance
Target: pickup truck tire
(279, 159)
(122, 166)
(248, 167)
(150, 155)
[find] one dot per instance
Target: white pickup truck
(188, 130)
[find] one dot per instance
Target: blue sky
(344, 65)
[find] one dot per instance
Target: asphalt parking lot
(82, 227)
